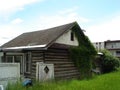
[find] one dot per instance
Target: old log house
(47, 46)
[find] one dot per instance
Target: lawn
(109, 81)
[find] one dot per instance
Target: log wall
(64, 68)
(37, 56)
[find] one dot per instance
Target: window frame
(27, 62)
(72, 36)
(13, 60)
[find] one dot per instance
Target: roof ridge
(50, 27)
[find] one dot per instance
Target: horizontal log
(56, 62)
(64, 65)
(56, 57)
(56, 54)
(57, 51)
(33, 68)
(34, 61)
(37, 58)
(65, 69)
(33, 71)
(33, 64)
(66, 75)
(37, 54)
(66, 72)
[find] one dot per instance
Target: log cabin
(50, 46)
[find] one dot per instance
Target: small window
(72, 36)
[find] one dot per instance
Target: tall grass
(109, 81)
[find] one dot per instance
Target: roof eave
(23, 48)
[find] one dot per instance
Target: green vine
(83, 54)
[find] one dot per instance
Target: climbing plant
(83, 54)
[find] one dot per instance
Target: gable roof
(39, 38)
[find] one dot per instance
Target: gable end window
(72, 36)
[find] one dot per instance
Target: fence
(9, 72)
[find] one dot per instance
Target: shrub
(83, 54)
(109, 62)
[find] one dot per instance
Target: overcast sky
(100, 18)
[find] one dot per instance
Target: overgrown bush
(83, 61)
(83, 54)
(109, 62)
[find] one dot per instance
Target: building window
(19, 59)
(9, 59)
(112, 46)
(15, 59)
(117, 52)
(27, 62)
(72, 36)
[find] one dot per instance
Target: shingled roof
(41, 37)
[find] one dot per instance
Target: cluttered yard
(110, 81)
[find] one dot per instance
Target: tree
(109, 62)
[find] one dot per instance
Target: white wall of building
(66, 39)
(99, 45)
(114, 48)
(113, 45)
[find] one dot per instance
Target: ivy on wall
(83, 54)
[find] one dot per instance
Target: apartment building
(99, 46)
(112, 45)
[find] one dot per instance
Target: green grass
(109, 81)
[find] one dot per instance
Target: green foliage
(83, 54)
(109, 62)
(109, 81)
